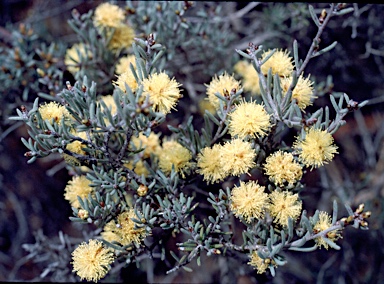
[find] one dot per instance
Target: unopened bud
(366, 215)
(142, 190)
(360, 208)
(322, 16)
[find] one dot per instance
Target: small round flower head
(303, 91)
(108, 15)
(250, 78)
(53, 110)
(280, 63)
(258, 263)
(249, 119)
(138, 167)
(124, 64)
(237, 157)
(206, 105)
(316, 149)
(110, 103)
(151, 144)
(176, 155)
(284, 205)
(281, 168)
(123, 229)
(76, 146)
(126, 78)
(324, 223)
(209, 163)
(163, 92)
(74, 56)
(223, 83)
(122, 37)
(91, 261)
(249, 201)
(78, 186)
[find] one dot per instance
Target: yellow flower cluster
(322, 224)
(75, 55)
(174, 154)
(235, 157)
(126, 78)
(108, 15)
(303, 91)
(91, 261)
(249, 201)
(249, 120)
(282, 168)
(75, 147)
(123, 229)
(258, 263)
(77, 186)
(124, 63)
(316, 148)
(138, 167)
(284, 205)
(122, 37)
(53, 111)
(163, 92)
(151, 144)
(250, 79)
(223, 83)
(280, 63)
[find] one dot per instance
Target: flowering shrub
(139, 180)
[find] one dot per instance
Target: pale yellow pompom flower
(249, 201)
(325, 222)
(124, 64)
(316, 149)
(91, 261)
(280, 62)
(110, 104)
(221, 84)
(108, 15)
(151, 144)
(138, 167)
(123, 36)
(77, 186)
(53, 111)
(303, 91)
(237, 157)
(123, 229)
(126, 78)
(74, 55)
(75, 147)
(258, 263)
(209, 163)
(249, 119)
(163, 92)
(206, 105)
(284, 205)
(281, 168)
(174, 154)
(250, 79)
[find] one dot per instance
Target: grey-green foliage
(192, 32)
(28, 66)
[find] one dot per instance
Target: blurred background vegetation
(31, 196)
